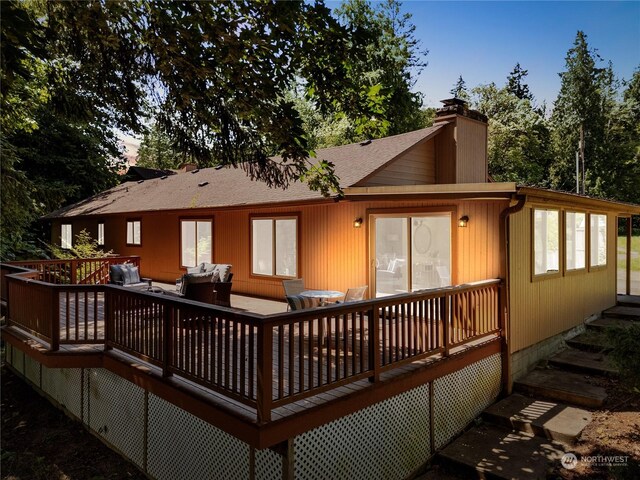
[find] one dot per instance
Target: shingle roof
(231, 187)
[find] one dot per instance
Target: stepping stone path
(525, 435)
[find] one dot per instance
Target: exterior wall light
(357, 223)
(462, 222)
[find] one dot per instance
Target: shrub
(626, 353)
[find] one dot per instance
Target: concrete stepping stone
(590, 341)
(629, 300)
(604, 323)
(567, 387)
(551, 420)
(629, 313)
(586, 362)
(489, 451)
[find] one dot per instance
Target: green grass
(635, 248)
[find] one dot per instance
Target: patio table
(323, 295)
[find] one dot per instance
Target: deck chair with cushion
(298, 302)
(355, 294)
(208, 283)
(292, 288)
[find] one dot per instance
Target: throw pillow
(196, 269)
(298, 302)
(208, 267)
(132, 275)
(115, 274)
(223, 270)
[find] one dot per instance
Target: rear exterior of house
(418, 217)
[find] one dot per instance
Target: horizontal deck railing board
(264, 362)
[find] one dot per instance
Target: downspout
(507, 384)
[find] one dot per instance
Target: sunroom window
(101, 234)
(576, 236)
(546, 241)
(598, 240)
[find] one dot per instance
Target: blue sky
(482, 41)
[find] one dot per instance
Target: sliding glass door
(411, 252)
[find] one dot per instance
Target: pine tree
(459, 89)
(516, 85)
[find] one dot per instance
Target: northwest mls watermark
(571, 461)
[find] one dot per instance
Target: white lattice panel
(17, 360)
(182, 446)
(461, 396)
(268, 465)
(387, 440)
(32, 370)
(64, 385)
(116, 412)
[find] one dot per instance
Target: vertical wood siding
(471, 145)
(543, 308)
(333, 254)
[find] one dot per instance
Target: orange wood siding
(415, 167)
(543, 308)
(333, 254)
(471, 145)
(445, 152)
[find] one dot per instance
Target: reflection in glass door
(411, 253)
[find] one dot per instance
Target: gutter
(507, 384)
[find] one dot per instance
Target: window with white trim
(101, 234)
(274, 249)
(546, 241)
(196, 242)
(66, 236)
(575, 240)
(598, 240)
(133, 232)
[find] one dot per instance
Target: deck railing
(264, 361)
(84, 271)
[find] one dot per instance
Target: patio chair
(355, 294)
(208, 283)
(292, 288)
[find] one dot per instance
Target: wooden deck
(245, 370)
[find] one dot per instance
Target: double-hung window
(598, 240)
(133, 232)
(575, 240)
(546, 241)
(196, 242)
(274, 249)
(66, 236)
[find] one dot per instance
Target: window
(598, 239)
(195, 242)
(546, 241)
(66, 236)
(576, 236)
(133, 232)
(274, 246)
(101, 234)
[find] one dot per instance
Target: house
(422, 226)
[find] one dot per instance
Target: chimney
(458, 106)
(461, 149)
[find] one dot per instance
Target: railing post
(108, 320)
(265, 364)
(74, 272)
(374, 343)
(445, 324)
(168, 318)
(55, 320)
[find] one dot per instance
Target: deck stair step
(551, 420)
(567, 387)
(490, 451)
(629, 313)
(591, 341)
(629, 301)
(596, 363)
(604, 323)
